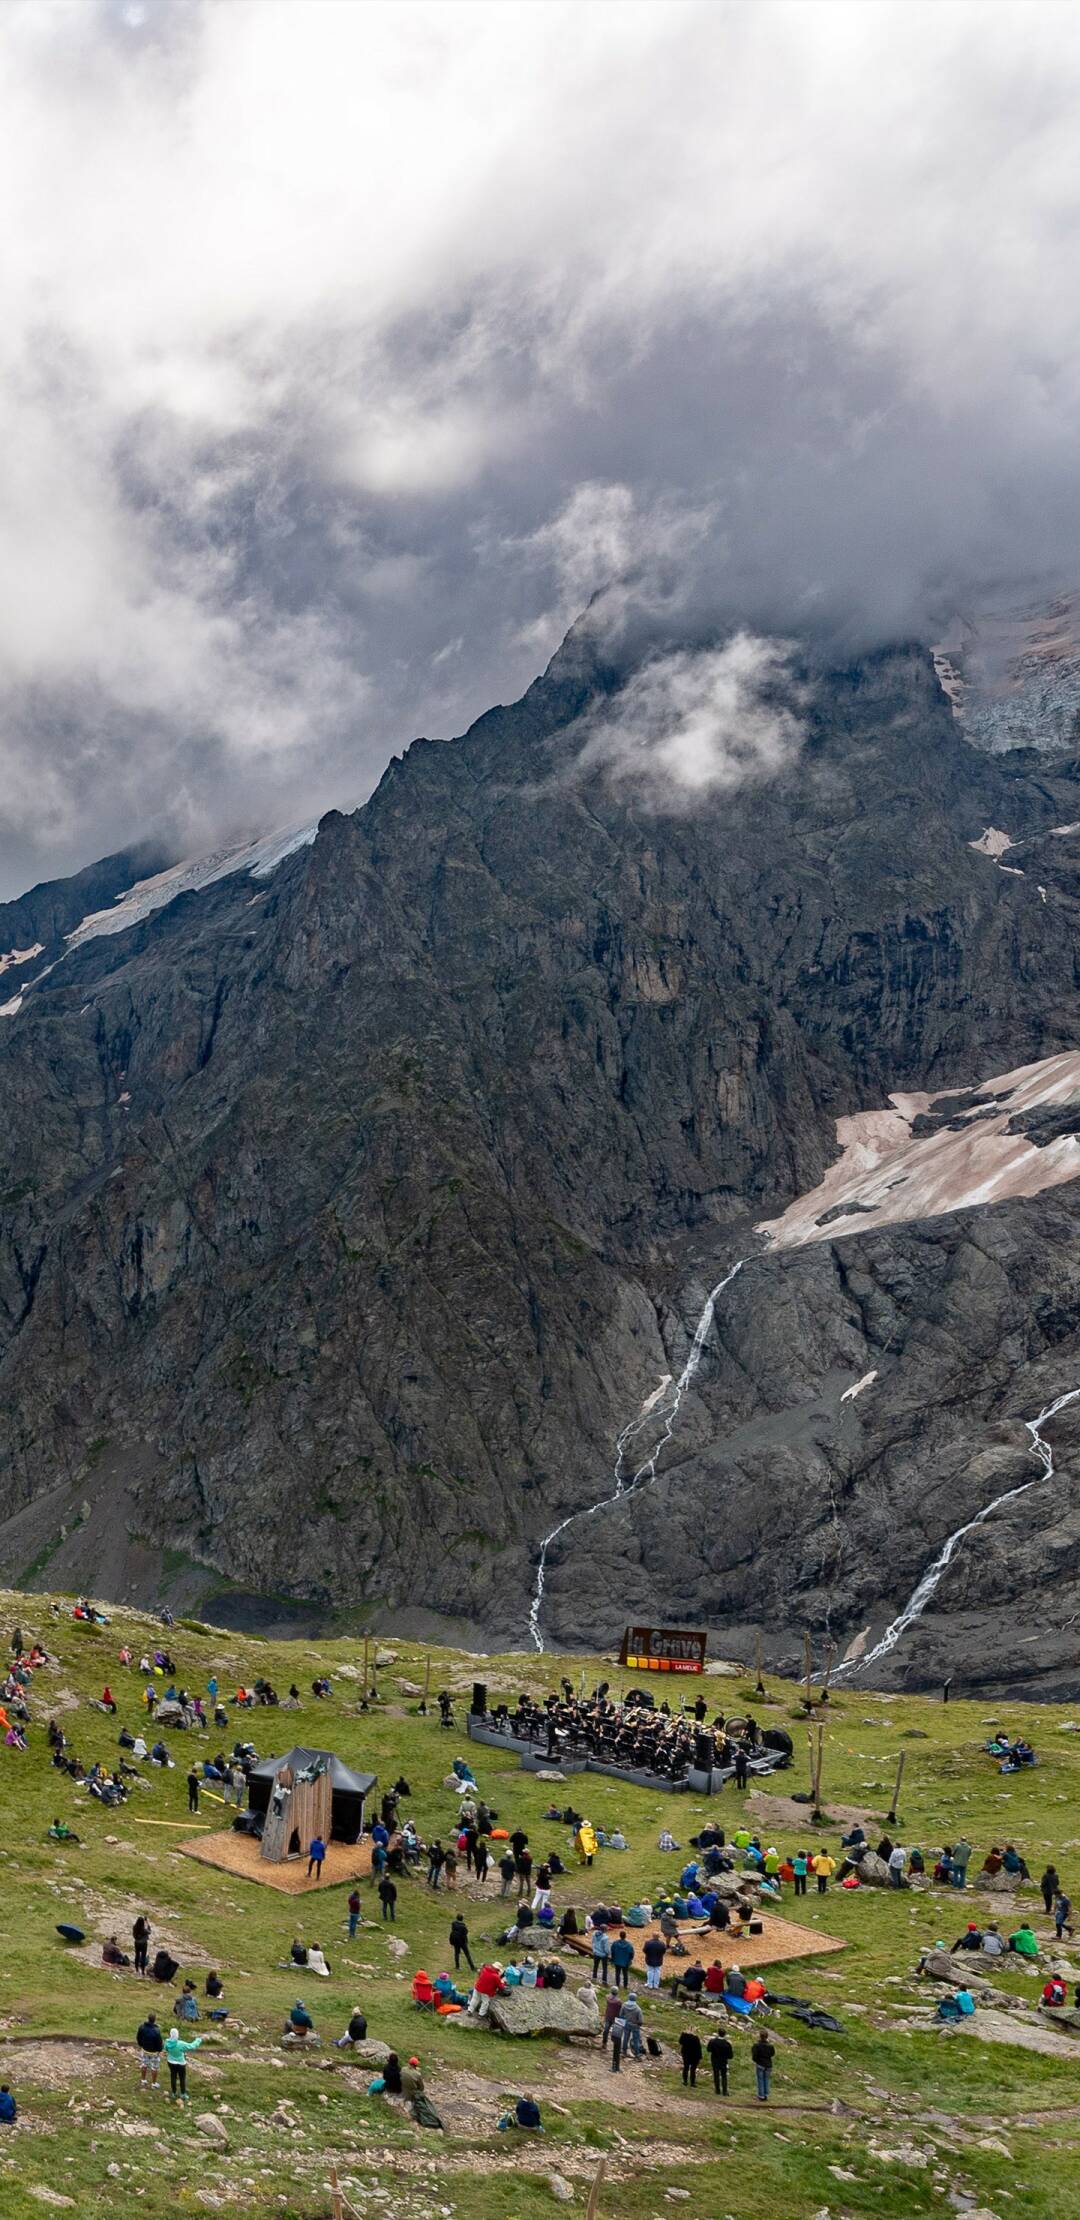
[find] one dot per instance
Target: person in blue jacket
(9, 2110)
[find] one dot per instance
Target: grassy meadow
(891, 2117)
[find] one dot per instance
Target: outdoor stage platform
(534, 1758)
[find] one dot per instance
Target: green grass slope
(891, 2117)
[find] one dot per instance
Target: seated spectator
(356, 2032)
(526, 2114)
(1023, 1942)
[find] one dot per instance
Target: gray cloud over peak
(349, 349)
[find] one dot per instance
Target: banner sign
(652, 1649)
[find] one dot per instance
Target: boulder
(544, 2012)
(939, 1965)
(998, 1884)
(560, 2189)
(1061, 2015)
(209, 2125)
(872, 1870)
(409, 1688)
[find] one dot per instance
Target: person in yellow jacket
(585, 1842)
(823, 1866)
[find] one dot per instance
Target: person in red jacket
(714, 1978)
(489, 1983)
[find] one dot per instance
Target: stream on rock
(920, 1596)
(664, 1412)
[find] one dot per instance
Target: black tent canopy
(349, 1790)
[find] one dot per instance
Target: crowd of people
(692, 1956)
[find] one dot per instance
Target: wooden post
(337, 2205)
(760, 1689)
(367, 1671)
(830, 1660)
(808, 1667)
(592, 2209)
(815, 1766)
(891, 1813)
(427, 1677)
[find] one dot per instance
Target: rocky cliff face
(348, 1214)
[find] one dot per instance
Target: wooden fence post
(891, 1813)
(592, 2209)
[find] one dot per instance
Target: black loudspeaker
(479, 1698)
(704, 1755)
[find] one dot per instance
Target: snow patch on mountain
(887, 1173)
(258, 857)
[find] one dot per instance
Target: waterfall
(920, 1597)
(664, 1413)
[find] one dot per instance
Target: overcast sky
(347, 349)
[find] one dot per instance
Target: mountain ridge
(350, 1214)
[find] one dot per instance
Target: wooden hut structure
(307, 1793)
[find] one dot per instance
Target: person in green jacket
(1023, 1942)
(176, 2051)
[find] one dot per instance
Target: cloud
(695, 722)
(336, 334)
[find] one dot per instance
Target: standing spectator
(542, 1892)
(151, 2043)
(897, 1862)
(388, 1898)
(436, 1861)
(961, 1858)
(1062, 1910)
(635, 2025)
(721, 2052)
(481, 1861)
(459, 1943)
(622, 1958)
(823, 1866)
(763, 2054)
(1049, 1885)
(612, 2010)
(654, 1953)
(524, 1872)
(316, 1855)
(507, 1869)
(141, 1937)
(690, 2049)
(176, 2051)
(450, 1867)
(354, 1912)
(601, 1952)
(800, 1867)
(193, 1790)
(618, 2038)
